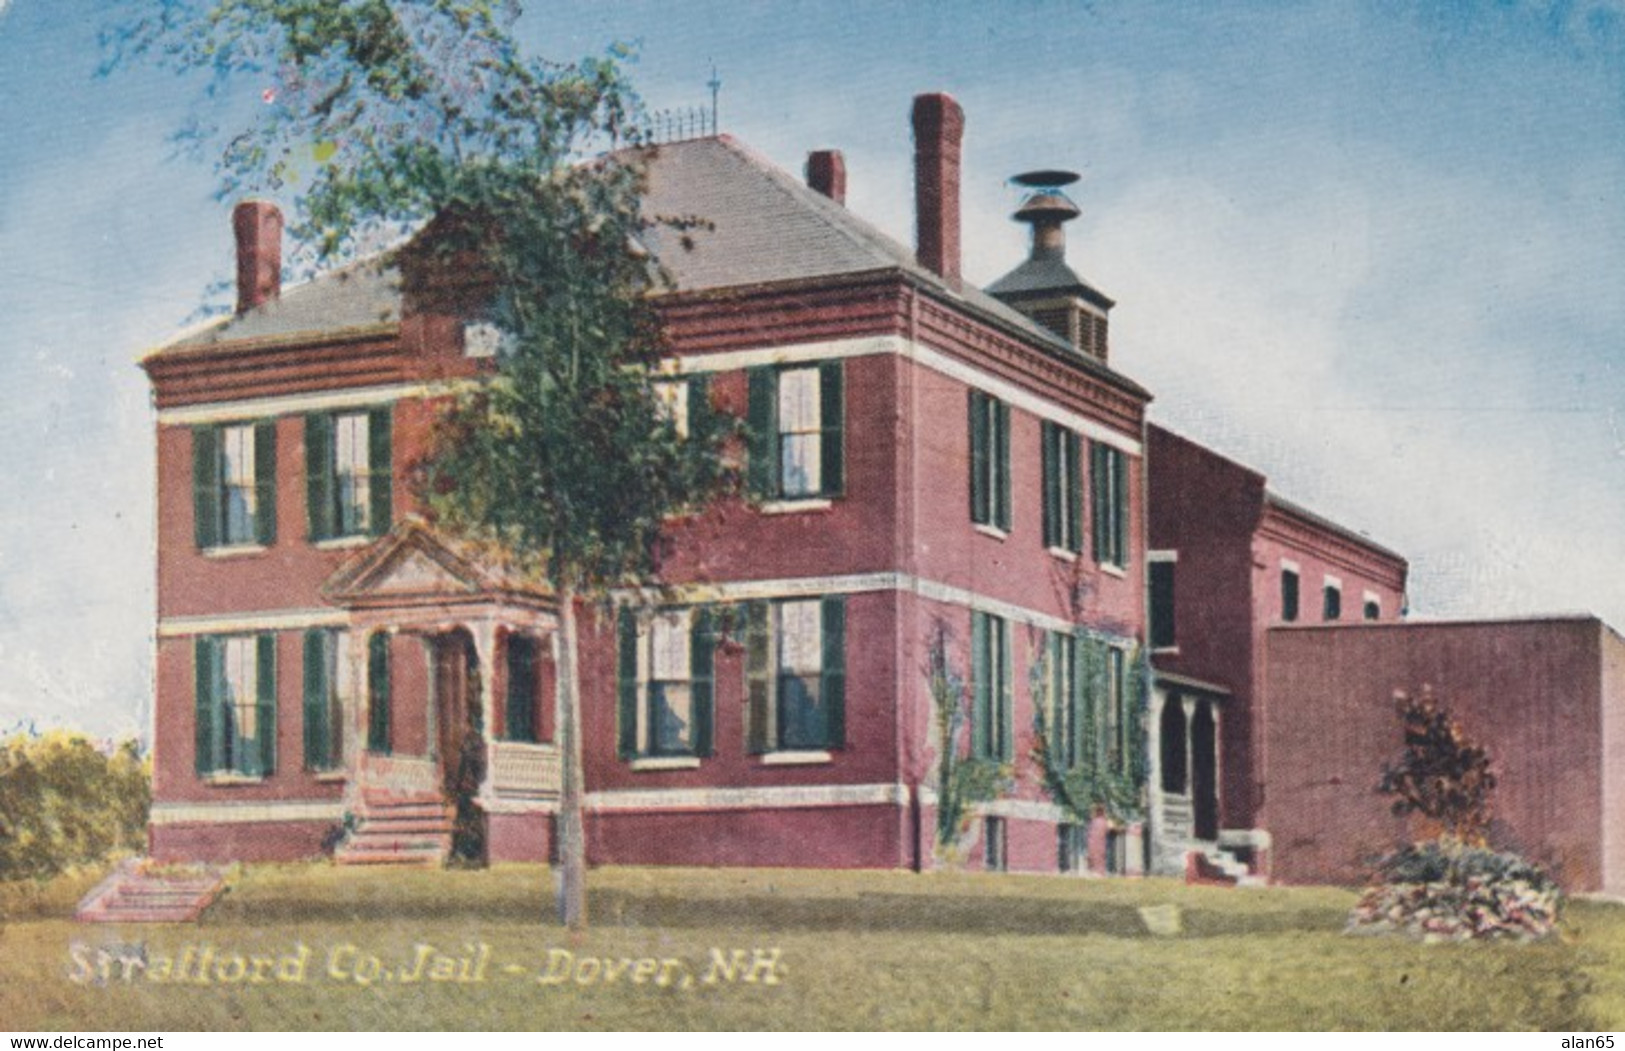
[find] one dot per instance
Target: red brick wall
(1528, 691)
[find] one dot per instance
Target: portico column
(1189, 704)
(484, 634)
(355, 709)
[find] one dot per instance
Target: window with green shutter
(234, 484)
(795, 672)
(1108, 469)
(1289, 595)
(992, 732)
(989, 461)
(1063, 487)
(666, 682)
(349, 473)
(235, 706)
(323, 707)
(1160, 585)
(521, 656)
(1063, 694)
(796, 422)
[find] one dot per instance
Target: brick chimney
(939, 124)
(258, 226)
(826, 173)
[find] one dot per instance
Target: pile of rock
(1451, 892)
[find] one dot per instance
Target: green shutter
(702, 650)
(1072, 491)
(378, 714)
(265, 703)
(206, 674)
(1119, 506)
(758, 678)
(519, 712)
(318, 736)
(1049, 450)
(699, 407)
(1082, 690)
(981, 695)
(320, 501)
(979, 459)
(831, 408)
(628, 683)
(265, 482)
(206, 486)
(1007, 700)
(380, 466)
(1001, 465)
(1099, 487)
(763, 468)
(834, 684)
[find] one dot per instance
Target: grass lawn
(318, 947)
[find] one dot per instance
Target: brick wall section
(1529, 691)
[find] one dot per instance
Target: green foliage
(1447, 861)
(1089, 782)
(963, 780)
(1440, 775)
(63, 803)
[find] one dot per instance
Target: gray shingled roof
(1039, 276)
(762, 226)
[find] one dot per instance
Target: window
(795, 431)
(666, 690)
(991, 730)
(989, 461)
(1072, 847)
(234, 484)
(1332, 600)
(686, 403)
(1289, 595)
(1160, 575)
(995, 850)
(236, 705)
(1115, 726)
(348, 466)
(1063, 488)
(1373, 607)
(1109, 495)
(795, 670)
(1063, 695)
(523, 659)
(324, 706)
(378, 714)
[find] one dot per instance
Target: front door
(460, 741)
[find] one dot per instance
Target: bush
(64, 803)
(1448, 891)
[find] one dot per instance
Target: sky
(1373, 250)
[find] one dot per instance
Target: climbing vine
(963, 780)
(1083, 772)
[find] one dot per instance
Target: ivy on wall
(963, 780)
(1083, 772)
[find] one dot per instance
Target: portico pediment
(412, 564)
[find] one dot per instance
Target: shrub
(64, 803)
(1441, 774)
(1446, 890)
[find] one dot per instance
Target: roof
(1276, 500)
(760, 226)
(1047, 276)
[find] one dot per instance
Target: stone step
(388, 857)
(131, 895)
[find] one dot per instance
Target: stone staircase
(1214, 865)
(135, 893)
(398, 829)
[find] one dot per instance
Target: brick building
(930, 462)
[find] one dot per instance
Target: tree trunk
(572, 837)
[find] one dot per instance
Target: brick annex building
(930, 461)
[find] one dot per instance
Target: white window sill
(234, 550)
(225, 780)
(795, 506)
(993, 531)
(1063, 554)
(1112, 570)
(1165, 651)
(330, 776)
(796, 758)
(666, 762)
(339, 543)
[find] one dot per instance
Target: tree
(384, 117)
(1440, 775)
